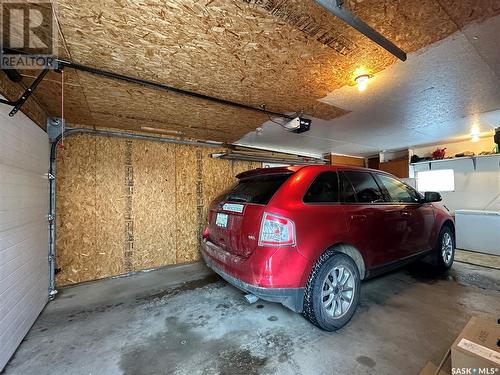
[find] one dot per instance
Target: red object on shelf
(439, 153)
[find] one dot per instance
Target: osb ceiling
(285, 54)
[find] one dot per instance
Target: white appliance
(478, 231)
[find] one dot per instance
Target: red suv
(306, 236)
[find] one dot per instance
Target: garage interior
(150, 111)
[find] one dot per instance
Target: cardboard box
(444, 366)
(430, 369)
(477, 348)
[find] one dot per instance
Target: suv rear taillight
(276, 230)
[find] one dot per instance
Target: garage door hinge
(50, 218)
(50, 176)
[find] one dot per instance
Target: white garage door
(24, 160)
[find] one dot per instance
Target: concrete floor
(151, 324)
(477, 258)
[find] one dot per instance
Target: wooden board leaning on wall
(344, 160)
(126, 205)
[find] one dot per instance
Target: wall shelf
(472, 158)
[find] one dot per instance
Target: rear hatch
(235, 216)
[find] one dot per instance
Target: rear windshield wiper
(237, 199)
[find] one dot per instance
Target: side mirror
(432, 196)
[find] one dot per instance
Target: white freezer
(478, 230)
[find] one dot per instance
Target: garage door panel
(20, 201)
(19, 177)
(15, 151)
(12, 252)
(21, 322)
(10, 219)
(19, 267)
(13, 236)
(10, 296)
(24, 161)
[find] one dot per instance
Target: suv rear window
(366, 189)
(324, 189)
(257, 189)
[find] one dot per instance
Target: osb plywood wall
(125, 205)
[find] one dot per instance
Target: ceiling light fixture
(362, 81)
(474, 135)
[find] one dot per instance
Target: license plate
(221, 220)
(233, 207)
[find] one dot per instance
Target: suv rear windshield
(257, 189)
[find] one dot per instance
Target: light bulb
(474, 135)
(362, 82)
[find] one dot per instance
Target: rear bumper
(293, 298)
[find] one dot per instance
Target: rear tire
(445, 249)
(332, 292)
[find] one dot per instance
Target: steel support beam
(336, 8)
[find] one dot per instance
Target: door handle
(405, 213)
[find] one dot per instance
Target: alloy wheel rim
(338, 291)
(446, 248)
